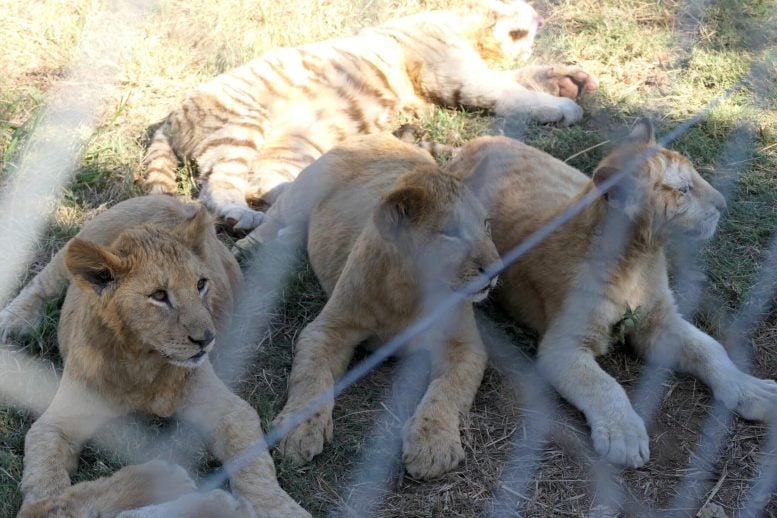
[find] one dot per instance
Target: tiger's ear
(92, 266)
(401, 209)
(618, 194)
(643, 133)
(193, 230)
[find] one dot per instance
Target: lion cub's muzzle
(481, 286)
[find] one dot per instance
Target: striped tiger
(252, 129)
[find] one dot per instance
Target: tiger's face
(515, 24)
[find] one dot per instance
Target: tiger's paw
(240, 218)
(568, 81)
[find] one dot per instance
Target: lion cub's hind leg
(213, 504)
(431, 438)
(129, 488)
(323, 351)
(24, 312)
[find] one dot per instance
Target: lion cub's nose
(207, 338)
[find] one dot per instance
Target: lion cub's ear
(193, 230)
(619, 194)
(642, 133)
(400, 209)
(93, 266)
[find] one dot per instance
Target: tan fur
(577, 284)
(131, 487)
(152, 288)
(389, 235)
(251, 130)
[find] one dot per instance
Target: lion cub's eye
(201, 284)
(450, 231)
(685, 189)
(159, 296)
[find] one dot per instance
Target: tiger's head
(508, 29)
(439, 225)
(659, 189)
(153, 287)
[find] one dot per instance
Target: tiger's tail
(412, 134)
(159, 164)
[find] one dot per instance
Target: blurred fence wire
(48, 164)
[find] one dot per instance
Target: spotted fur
(251, 130)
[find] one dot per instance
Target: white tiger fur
(254, 128)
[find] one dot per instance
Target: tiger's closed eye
(517, 34)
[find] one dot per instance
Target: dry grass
(667, 59)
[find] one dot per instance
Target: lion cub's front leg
(617, 431)
(321, 355)
(678, 344)
(232, 427)
(431, 438)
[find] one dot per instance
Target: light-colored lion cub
(152, 287)
(577, 284)
(388, 236)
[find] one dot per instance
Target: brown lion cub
(389, 234)
(575, 285)
(152, 287)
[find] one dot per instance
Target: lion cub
(575, 285)
(389, 234)
(152, 287)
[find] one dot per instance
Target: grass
(665, 59)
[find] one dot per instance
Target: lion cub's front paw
(752, 398)
(307, 440)
(430, 447)
(623, 440)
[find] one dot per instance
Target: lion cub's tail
(23, 314)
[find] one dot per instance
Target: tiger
(251, 130)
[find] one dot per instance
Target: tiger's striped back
(252, 129)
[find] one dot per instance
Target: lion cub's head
(508, 30)
(153, 288)
(438, 224)
(659, 189)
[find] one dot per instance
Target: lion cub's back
(363, 168)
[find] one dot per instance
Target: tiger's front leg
(559, 80)
(431, 438)
(232, 427)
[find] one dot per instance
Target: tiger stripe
(258, 125)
